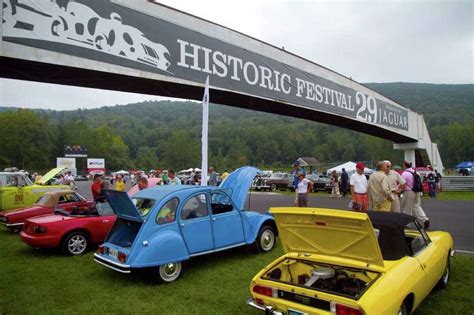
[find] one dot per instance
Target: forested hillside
(167, 134)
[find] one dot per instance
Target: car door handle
(213, 219)
(105, 221)
(181, 224)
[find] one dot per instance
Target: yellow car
(344, 262)
(17, 190)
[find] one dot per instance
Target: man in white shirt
(303, 188)
(358, 183)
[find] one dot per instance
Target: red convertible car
(72, 231)
(68, 200)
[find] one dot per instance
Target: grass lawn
(455, 195)
(40, 282)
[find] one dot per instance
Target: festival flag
(205, 123)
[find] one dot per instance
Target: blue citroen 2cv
(162, 226)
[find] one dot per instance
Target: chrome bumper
(112, 264)
(452, 253)
(267, 309)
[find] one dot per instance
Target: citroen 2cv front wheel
(167, 273)
(266, 239)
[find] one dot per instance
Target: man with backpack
(411, 202)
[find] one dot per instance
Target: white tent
(350, 167)
(121, 172)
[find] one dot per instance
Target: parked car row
(327, 267)
(158, 227)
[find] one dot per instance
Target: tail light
(341, 309)
(267, 291)
(121, 257)
(39, 229)
(101, 249)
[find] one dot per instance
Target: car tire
(273, 187)
(167, 273)
(403, 309)
(266, 239)
(75, 243)
(444, 280)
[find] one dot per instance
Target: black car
(320, 182)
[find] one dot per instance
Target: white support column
(410, 156)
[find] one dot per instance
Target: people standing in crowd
(431, 179)
(173, 180)
(344, 182)
(411, 201)
(142, 183)
(212, 177)
(96, 185)
(335, 185)
(438, 181)
(358, 184)
(59, 180)
(379, 191)
(119, 183)
(297, 169)
(396, 183)
(303, 188)
(69, 180)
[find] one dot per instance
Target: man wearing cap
(358, 183)
(379, 193)
(96, 186)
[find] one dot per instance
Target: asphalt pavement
(455, 217)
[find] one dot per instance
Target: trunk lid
(335, 233)
(239, 182)
(122, 205)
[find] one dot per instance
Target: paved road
(456, 217)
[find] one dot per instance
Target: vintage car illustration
(79, 25)
(68, 200)
(17, 190)
(342, 262)
(73, 232)
(170, 224)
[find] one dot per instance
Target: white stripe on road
(468, 252)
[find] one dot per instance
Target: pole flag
(205, 123)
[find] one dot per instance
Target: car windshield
(143, 205)
(276, 176)
(14, 180)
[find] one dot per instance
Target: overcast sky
(369, 40)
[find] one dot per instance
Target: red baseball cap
(360, 165)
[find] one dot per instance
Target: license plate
(113, 253)
(293, 312)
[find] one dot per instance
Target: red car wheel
(75, 243)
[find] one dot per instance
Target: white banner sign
(69, 163)
(95, 163)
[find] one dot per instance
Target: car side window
(220, 203)
(418, 240)
(167, 213)
(195, 207)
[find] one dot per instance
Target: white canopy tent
(121, 172)
(350, 167)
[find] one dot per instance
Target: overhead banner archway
(149, 48)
